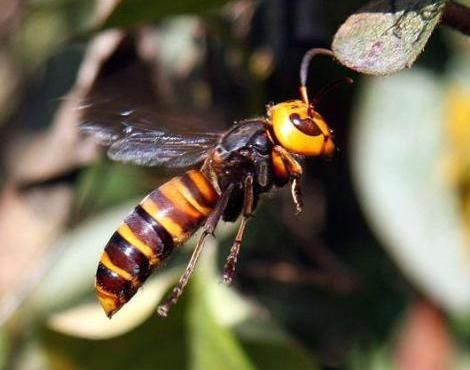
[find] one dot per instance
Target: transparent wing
(133, 138)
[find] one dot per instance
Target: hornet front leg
(294, 171)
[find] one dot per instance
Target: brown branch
(457, 16)
(290, 274)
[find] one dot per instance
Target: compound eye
(307, 125)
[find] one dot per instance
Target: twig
(457, 16)
(290, 274)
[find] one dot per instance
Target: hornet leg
(208, 229)
(295, 173)
(229, 268)
(296, 191)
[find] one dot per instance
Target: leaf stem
(457, 16)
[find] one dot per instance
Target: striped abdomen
(164, 219)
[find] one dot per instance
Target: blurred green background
(374, 274)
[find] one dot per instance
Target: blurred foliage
(131, 12)
(373, 275)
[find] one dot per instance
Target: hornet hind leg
(207, 229)
(230, 265)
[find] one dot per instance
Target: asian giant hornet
(238, 165)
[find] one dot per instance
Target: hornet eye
(307, 126)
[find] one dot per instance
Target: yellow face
(300, 129)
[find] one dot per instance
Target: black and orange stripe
(164, 219)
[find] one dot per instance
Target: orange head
(300, 129)
(296, 125)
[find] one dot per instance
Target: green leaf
(398, 157)
(105, 184)
(375, 358)
(157, 344)
(89, 321)
(270, 349)
(47, 24)
(386, 36)
(4, 347)
(71, 270)
(212, 346)
(134, 12)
